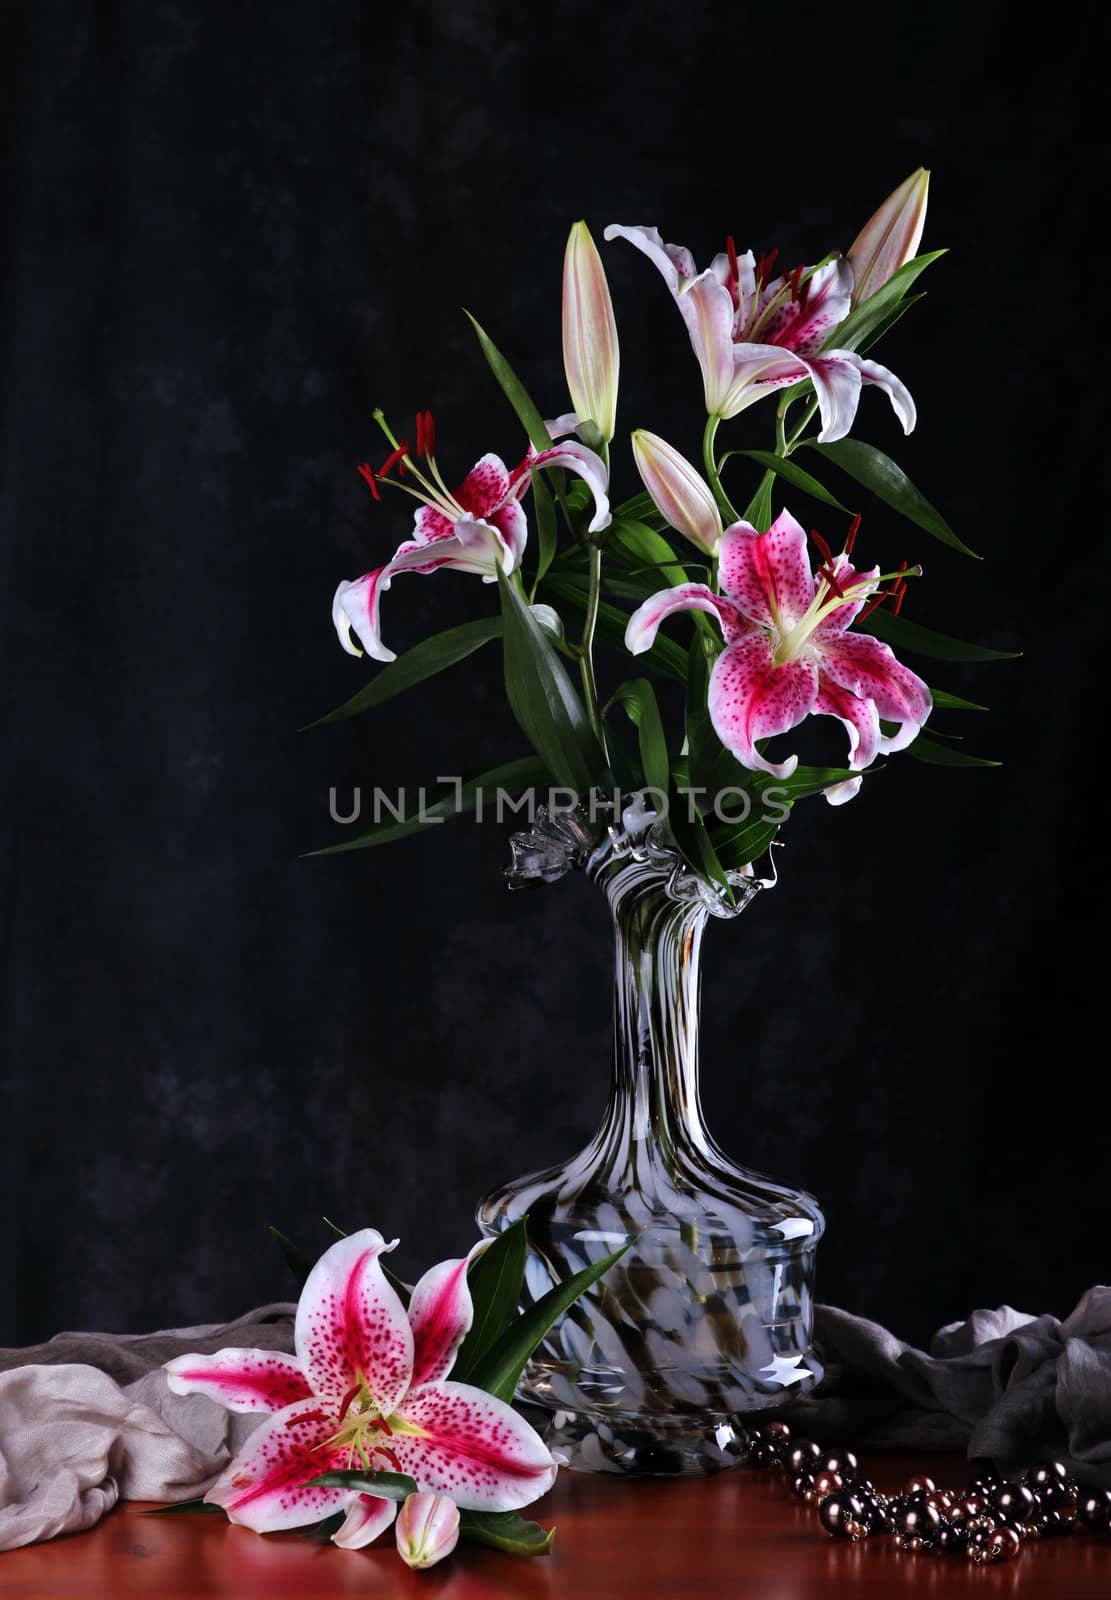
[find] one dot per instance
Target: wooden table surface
(741, 1533)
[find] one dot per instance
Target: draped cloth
(87, 1419)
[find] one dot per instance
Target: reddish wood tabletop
(741, 1533)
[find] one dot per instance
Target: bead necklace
(988, 1521)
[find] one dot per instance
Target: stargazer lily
(754, 332)
(891, 236)
(788, 652)
(478, 527)
(367, 1387)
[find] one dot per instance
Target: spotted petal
(472, 1447)
(589, 467)
(640, 635)
(752, 698)
(868, 667)
(368, 1515)
(835, 623)
(858, 715)
(485, 487)
(440, 1315)
(265, 1487)
(357, 606)
(351, 1327)
(674, 261)
(768, 574)
(242, 1380)
(896, 391)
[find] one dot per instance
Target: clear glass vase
(708, 1316)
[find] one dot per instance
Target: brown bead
(1014, 1501)
(1094, 1510)
(919, 1484)
(842, 1461)
(803, 1456)
(777, 1431)
(1002, 1545)
(802, 1485)
(828, 1483)
(838, 1512)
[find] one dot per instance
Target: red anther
(380, 1422)
(850, 537)
(390, 1455)
(731, 250)
(394, 457)
(795, 281)
(346, 1403)
(307, 1416)
(831, 578)
(767, 262)
(366, 472)
(429, 434)
(826, 552)
(420, 433)
(898, 594)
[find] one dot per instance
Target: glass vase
(707, 1317)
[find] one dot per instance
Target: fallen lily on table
(778, 635)
(364, 1415)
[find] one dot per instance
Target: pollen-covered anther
(850, 537)
(795, 280)
(366, 472)
(396, 458)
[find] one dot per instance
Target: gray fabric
(87, 1418)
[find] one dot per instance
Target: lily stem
(807, 418)
(586, 648)
(725, 506)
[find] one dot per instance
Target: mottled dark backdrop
(235, 229)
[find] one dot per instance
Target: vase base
(634, 1444)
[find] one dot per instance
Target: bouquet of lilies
(784, 624)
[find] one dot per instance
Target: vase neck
(657, 949)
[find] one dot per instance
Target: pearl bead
(1044, 1473)
(841, 1512)
(802, 1485)
(1001, 1545)
(827, 1483)
(777, 1431)
(1015, 1501)
(917, 1519)
(1094, 1510)
(842, 1461)
(803, 1456)
(919, 1484)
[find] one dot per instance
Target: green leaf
(864, 322)
(638, 546)
(953, 702)
(506, 1530)
(444, 800)
(423, 661)
(640, 508)
(386, 1485)
(745, 844)
(186, 1508)
(888, 322)
(513, 389)
(943, 755)
(495, 1279)
(907, 635)
(638, 698)
(321, 1532)
(543, 699)
(793, 474)
(500, 1369)
(889, 483)
(759, 508)
(547, 537)
(298, 1262)
(689, 830)
(665, 657)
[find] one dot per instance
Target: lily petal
(674, 261)
(678, 490)
(839, 794)
(640, 635)
(768, 574)
(351, 1327)
(707, 309)
(485, 486)
(894, 388)
(440, 1315)
(837, 380)
(265, 1487)
(355, 608)
(589, 467)
(368, 1515)
(242, 1380)
(858, 715)
(803, 324)
(512, 525)
(357, 605)
(472, 1447)
(751, 698)
(483, 543)
(890, 237)
(868, 667)
(845, 614)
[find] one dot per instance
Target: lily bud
(679, 492)
(427, 1529)
(590, 354)
(890, 238)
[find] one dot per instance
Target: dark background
(233, 230)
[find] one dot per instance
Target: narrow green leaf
(689, 830)
(386, 1485)
(506, 1530)
(862, 323)
(334, 1227)
(423, 661)
(500, 1369)
(513, 389)
(943, 755)
(186, 1508)
(792, 473)
(907, 635)
(321, 1532)
(547, 537)
(638, 699)
(298, 1262)
(495, 1279)
(638, 545)
(665, 657)
(640, 508)
(746, 844)
(953, 702)
(759, 509)
(885, 325)
(444, 801)
(889, 483)
(543, 699)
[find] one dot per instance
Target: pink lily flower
(891, 236)
(367, 1387)
(478, 527)
(754, 333)
(427, 1530)
(788, 651)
